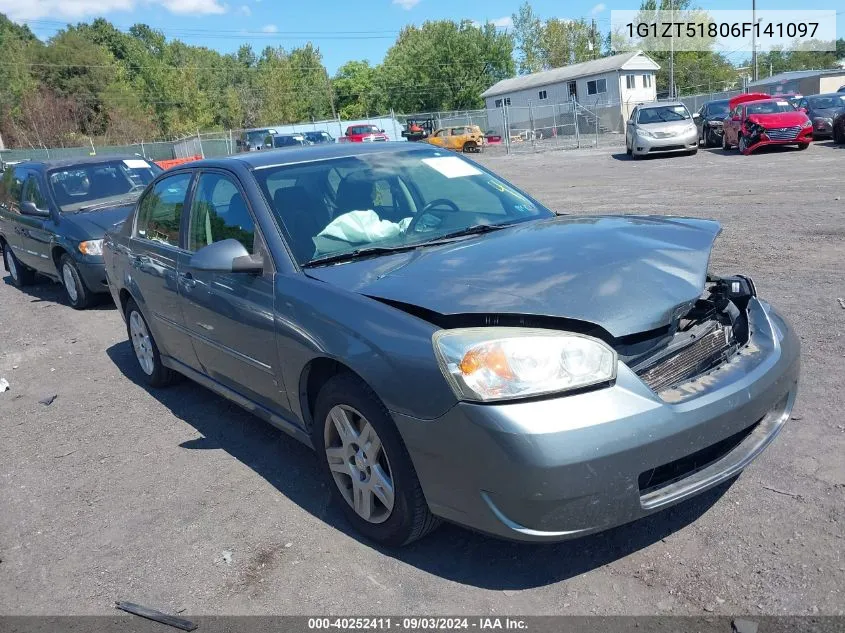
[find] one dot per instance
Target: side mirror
(29, 208)
(381, 131)
(735, 118)
(228, 256)
(696, 116)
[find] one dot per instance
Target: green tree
(444, 65)
(356, 90)
(528, 35)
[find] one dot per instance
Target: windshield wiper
(475, 229)
(359, 252)
(110, 203)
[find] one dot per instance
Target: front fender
(389, 349)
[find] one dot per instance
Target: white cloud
(74, 9)
(407, 4)
(505, 22)
(599, 8)
(245, 10)
(269, 28)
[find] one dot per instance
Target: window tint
(32, 192)
(160, 212)
(219, 213)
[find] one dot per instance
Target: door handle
(188, 280)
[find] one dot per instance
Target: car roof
(79, 160)
(825, 94)
(725, 101)
(311, 153)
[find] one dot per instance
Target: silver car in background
(661, 128)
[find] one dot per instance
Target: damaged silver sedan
(450, 348)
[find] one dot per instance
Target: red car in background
(757, 119)
(363, 133)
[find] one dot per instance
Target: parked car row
(382, 304)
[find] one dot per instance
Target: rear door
(36, 232)
(231, 315)
(154, 254)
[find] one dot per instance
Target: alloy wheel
(359, 464)
(141, 343)
(70, 283)
(743, 144)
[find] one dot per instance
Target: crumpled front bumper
(551, 469)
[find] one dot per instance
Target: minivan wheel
(145, 348)
(367, 465)
(20, 274)
(76, 291)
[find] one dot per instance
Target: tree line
(92, 82)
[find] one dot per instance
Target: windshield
(364, 129)
(663, 114)
(257, 138)
(79, 187)
(827, 103)
(387, 200)
(768, 107)
(718, 109)
(318, 137)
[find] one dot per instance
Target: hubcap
(141, 343)
(11, 265)
(70, 283)
(359, 464)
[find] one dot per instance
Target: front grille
(688, 362)
(666, 148)
(783, 133)
(656, 478)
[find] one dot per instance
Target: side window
(160, 212)
(11, 187)
(32, 192)
(218, 213)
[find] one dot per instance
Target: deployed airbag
(358, 228)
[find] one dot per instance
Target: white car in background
(661, 128)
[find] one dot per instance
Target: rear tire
(839, 134)
(146, 351)
(21, 275)
(470, 147)
(369, 451)
(78, 295)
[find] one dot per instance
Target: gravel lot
(117, 493)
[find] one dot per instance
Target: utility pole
(754, 40)
(672, 52)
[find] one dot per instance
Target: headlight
(808, 123)
(643, 132)
(500, 363)
(91, 247)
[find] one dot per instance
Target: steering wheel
(431, 205)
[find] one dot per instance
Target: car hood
(626, 274)
(95, 223)
(779, 119)
(823, 112)
(667, 127)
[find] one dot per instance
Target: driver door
(36, 231)
(230, 316)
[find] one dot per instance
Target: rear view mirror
(228, 256)
(29, 208)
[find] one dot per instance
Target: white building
(609, 86)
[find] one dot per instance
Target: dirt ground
(178, 500)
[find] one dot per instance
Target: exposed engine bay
(704, 337)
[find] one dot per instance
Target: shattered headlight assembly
(503, 363)
(91, 247)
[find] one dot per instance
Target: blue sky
(342, 29)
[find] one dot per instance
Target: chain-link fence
(694, 102)
(161, 150)
(567, 125)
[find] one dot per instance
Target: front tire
(725, 145)
(20, 274)
(802, 146)
(742, 145)
(367, 465)
(146, 351)
(470, 147)
(77, 293)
